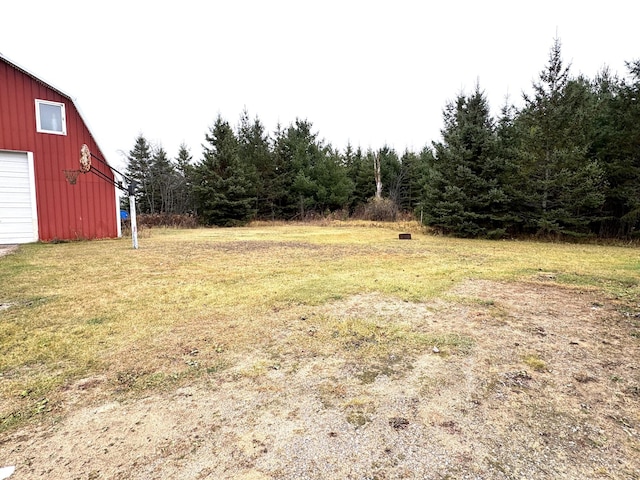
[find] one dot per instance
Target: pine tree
(223, 194)
(139, 170)
(257, 158)
(616, 145)
(184, 188)
(164, 181)
(391, 173)
(297, 150)
(463, 191)
(333, 185)
(411, 179)
(561, 187)
(283, 203)
(360, 171)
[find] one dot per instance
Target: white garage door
(18, 218)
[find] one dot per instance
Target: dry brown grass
(282, 331)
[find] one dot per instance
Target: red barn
(41, 133)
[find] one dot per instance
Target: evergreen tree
(391, 173)
(297, 150)
(463, 191)
(561, 188)
(256, 156)
(280, 191)
(360, 171)
(223, 194)
(616, 145)
(333, 185)
(310, 177)
(185, 181)
(139, 170)
(163, 182)
(411, 179)
(510, 154)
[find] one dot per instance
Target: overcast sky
(366, 72)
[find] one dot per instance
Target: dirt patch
(502, 381)
(7, 249)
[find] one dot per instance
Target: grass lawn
(192, 303)
(81, 308)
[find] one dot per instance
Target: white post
(134, 225)
(378, 177)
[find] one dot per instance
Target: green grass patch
(535, 362)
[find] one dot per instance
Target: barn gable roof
(34, 77)
(55, 89)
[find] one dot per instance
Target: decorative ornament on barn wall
(85, 158)
(85, 167)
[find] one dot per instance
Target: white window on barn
(50, 117)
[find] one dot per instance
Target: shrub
(173, 220)
(380, 210)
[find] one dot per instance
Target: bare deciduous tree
(378, 176)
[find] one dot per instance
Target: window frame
(63, 116)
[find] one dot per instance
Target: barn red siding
(84, 210)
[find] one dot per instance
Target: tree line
(566, 163)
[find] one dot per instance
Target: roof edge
(58, 91)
